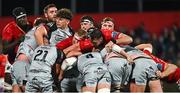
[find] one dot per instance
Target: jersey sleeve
(65, 43)
(174, 77)
(85, 45)
(110, 35)
(7, 33)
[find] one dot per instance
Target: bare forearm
(74, 47)
(171, 68)
(124, 39)
(39, 33)
(73, 53)
(143, 46)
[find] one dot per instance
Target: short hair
(39, 20)
(108, 19)
(94, 33)
(47, 7)
(86, 17)
(64, 13)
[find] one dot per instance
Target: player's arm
(65, 43)
(9, 45)
(60, 57)
(147, 46)
(115, 48)
(7, 40)
(39, 33)
(73, 53)
(123, 39)
(74, 47)
(169, 68)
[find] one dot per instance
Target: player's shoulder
(10, 25)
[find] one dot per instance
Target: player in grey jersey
(144, 72)
(59, 35)
(63, 31)
(94, 72)
(39, 77)
(21, 65)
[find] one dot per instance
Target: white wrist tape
(68, 62)
(148, 49)
(116, 48)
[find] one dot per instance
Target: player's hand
(108, 46)
(159, 74)
(130, 60)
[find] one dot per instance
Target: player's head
(39, 21)
(86, 22)
(107, 23)
(64, 16)
(20, 15)
(50, 12)
(81, 34)
(96, 37)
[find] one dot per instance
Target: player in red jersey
(108, 24)
(85, 45)
(14, 32)
(167, 71)
(3, 60)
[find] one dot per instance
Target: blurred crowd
(165, 46)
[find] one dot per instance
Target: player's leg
(104, 84)
(16, 88)
(19, 74)
(120, 71)
(144, 73)
(90, 79)
(155, 86)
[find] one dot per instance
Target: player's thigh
(118, 69)
(144, 70)
(19, 72)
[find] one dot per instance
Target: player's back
(135, 53)
(43, 59)
(89, 59)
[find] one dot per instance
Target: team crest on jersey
(58, 38)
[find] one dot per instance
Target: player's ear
(45, 14)
(67, 21)
(91, 25)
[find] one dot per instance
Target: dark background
(92, 6)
